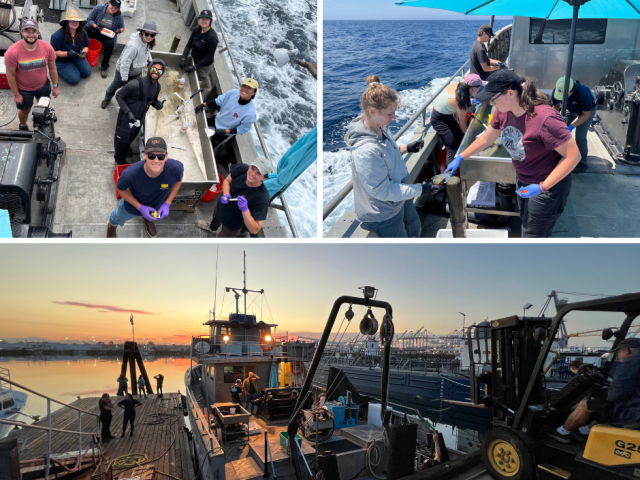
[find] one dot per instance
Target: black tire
(507, 457)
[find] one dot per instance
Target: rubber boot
(111, 230)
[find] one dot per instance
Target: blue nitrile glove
(147, 213)
(571, 128)
(502, 65)
(475, 102)
(225, 199)
(453, 166)
(190, 69)
(529, 191)
(163, 211)
(243, 205)
(414, 147)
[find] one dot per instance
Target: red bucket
(116, 176)
(209, 195)
(93, 55)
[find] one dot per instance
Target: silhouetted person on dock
(159, 378)
(106, 406)
(123, 385)
(129, 405)
(250, 389)
(142, 387)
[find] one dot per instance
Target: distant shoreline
(86, 353)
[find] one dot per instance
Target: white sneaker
(204, 225)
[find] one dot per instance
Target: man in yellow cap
(237, 112)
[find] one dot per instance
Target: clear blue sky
(387, 10)
(83, 290)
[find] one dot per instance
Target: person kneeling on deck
(237, 112)
(147, 188)
(129, 406)
(105, 18)
(202, 44)
(134, 99)
(581, 101)
(27, 62)
(134, 58)
(542, 150)
(479, 61)
(620, 407)
(71, 44)
(382, 195)
(244, 202)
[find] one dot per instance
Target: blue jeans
(405, 224)
(116, 85)
(539, 214)
(72, 72)
(581, 136)
(247, 401)
(120, 216)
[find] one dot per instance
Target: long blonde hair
(377, 95)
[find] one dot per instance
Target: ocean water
(415, 58)
(286, 103)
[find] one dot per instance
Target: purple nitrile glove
(147, 213)
(243, 205)
(163, 211)
(571, 128)
(225, 199)
(530, 191)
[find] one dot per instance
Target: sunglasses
(147, 34)
(159, 156)
(157, 70)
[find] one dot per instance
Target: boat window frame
(545, 22)
(245, 371)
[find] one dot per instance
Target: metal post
(456, 207)
(266, 458)
(174, 44)
(316, 420)
(79, 437)
(572, 43)
(46, 468)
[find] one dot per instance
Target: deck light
(226, 338)
(267, 338)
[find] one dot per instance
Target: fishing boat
(74, 192)
(604, 60)
(12, 402)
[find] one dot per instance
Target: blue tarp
(293, 163)
(273, 377)
(549, 9)
(5, 225)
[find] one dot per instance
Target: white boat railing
(422, 113)
(49, 429)
(227, 48)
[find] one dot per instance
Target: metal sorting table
(491, 165)
(231, 425)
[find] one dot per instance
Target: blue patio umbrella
(273, 376)
(293, 163)
(547, 9)
(5, 225)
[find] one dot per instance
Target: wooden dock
(159, 434)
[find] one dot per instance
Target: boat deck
(159, 434)
(86, 194)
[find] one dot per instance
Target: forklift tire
(506, 456)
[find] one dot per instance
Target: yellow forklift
(510, 381)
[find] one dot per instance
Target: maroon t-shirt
(531, 141)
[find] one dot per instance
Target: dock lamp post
(464, 317)
(226, 339)
(525, 308)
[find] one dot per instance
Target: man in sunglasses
(27, 62)
(202, 44)
(244, 202)
(147, 188)
(134, 99)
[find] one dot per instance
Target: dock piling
(175, 43)
(456, 207)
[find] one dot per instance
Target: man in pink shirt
(27, 62)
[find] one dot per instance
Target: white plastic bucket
(232, 410)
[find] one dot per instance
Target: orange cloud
(105, 308)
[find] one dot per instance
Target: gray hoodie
(379, 174)
(134, 57)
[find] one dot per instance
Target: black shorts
(28, 96)
(600, 410)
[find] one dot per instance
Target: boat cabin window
(589, 31)
(232, 373)
(8, 403)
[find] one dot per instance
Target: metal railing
(422, 112)
(227, 48)
(49, 429)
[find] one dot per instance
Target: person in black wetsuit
(129, 406)
(202, 44)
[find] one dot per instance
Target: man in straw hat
(71, 44)
(27, 62)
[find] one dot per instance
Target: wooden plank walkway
(159, 434)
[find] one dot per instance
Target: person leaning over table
(71, 44)
(110, 17)
(540, 144)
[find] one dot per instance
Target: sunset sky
(85, 291)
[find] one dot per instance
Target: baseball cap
(560, 88)
(499, 81)
(263, 165)
(250, 82)
(156, 144)
(474, 80)
(115, 3)
(487, 29)
(205, 14)
(627, 343)
(29, 23)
